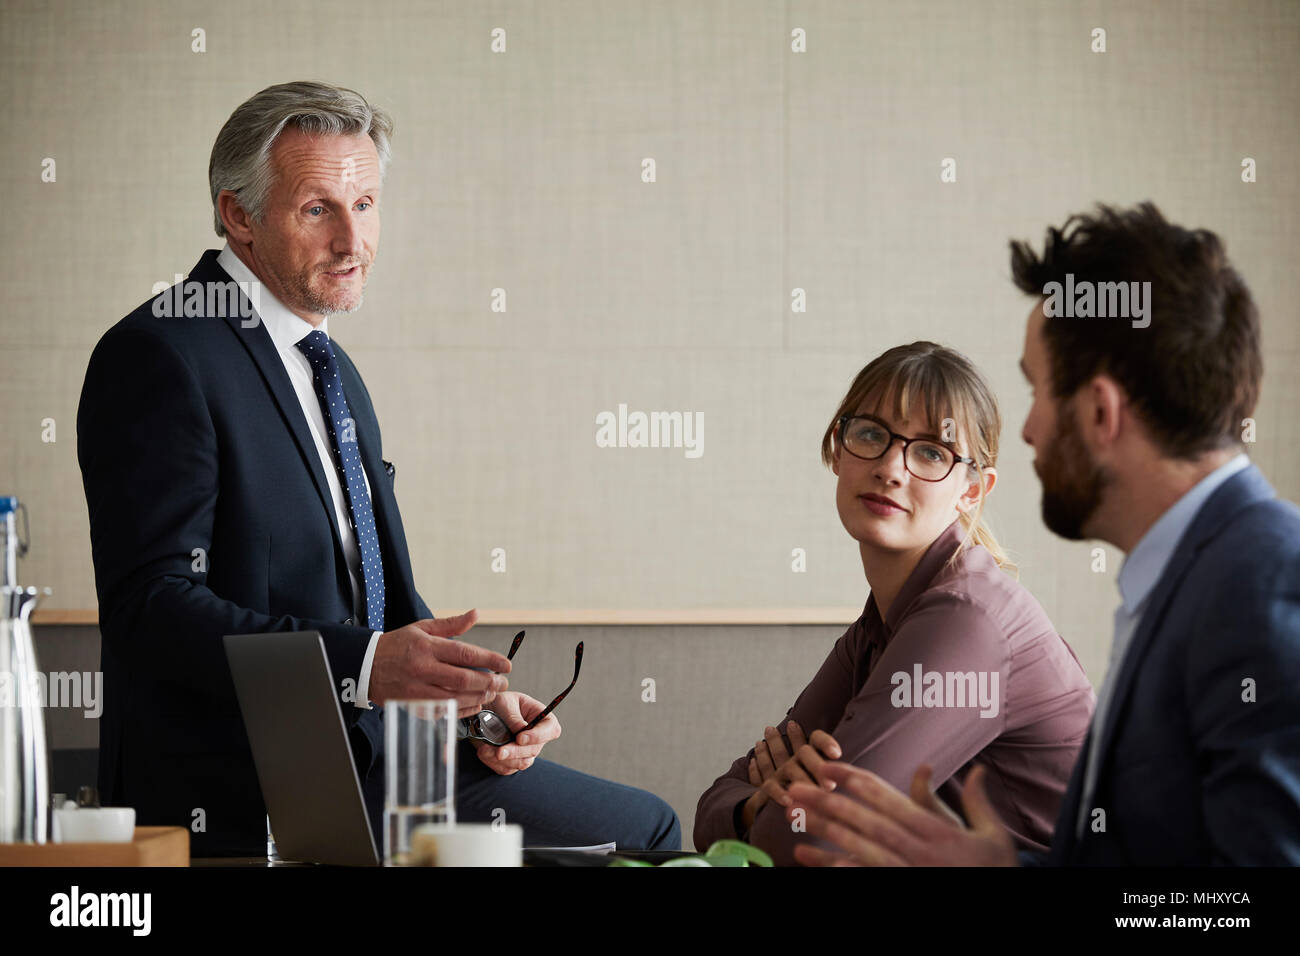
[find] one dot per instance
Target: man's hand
(517, 710)
(876, 825)
(772, 768)
(421, 661)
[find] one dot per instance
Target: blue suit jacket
(1190, 772)
(190, 436)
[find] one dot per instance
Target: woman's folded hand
(774, 767)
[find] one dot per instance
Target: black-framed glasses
(488, 727)
(867, 437)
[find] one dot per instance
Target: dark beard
(1072, 482)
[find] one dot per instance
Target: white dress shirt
(286, 330)
(1137, 579)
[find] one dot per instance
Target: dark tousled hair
(1193, 373)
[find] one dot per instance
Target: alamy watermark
(651, 430)
(132, 911)
(1099, 300)
(213, 300)
(78, 689)
(923, 688)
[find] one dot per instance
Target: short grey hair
(241, 156)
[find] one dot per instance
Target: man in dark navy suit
(1138, 423)
(234, 473)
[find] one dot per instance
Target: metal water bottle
(24, 760)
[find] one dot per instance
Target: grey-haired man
(233, 469)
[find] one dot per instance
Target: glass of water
(420, 771)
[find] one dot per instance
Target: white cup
(468, 844)
(95, 824)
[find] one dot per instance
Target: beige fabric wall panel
(522, 171)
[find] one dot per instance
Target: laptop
(300, 747)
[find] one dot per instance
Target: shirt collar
(285, 328)
(1146, 562)
(940, 550)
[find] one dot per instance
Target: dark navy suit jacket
(1191, 773)
(190, 436)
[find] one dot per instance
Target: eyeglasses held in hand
(489, 728)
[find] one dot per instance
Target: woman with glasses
(953, 663)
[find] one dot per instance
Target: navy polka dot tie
(347, 458)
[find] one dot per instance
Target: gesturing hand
(517, 710)
(421, 661)
(876, 825)
(773, 768)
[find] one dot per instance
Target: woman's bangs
(919, 393)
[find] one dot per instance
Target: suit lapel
(257, 341)
(1240, 491)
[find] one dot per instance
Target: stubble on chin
(323, 301)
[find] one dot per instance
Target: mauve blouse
(960, 628)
